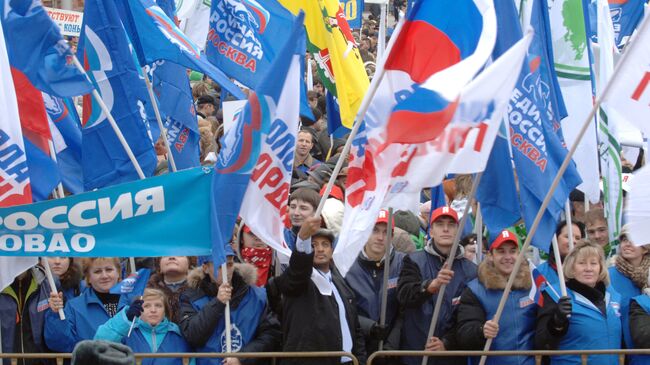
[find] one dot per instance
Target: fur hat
(102, 353)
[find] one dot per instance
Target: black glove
(135, 310)
(378, 332)
(563, 312)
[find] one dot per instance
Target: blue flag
(134, 284)
(43, 172)
(533, 115)
(107, 54)
(626, 16)
(156, 37)
(334, 124)
(242, 144)
(65, 127)
(36, 48)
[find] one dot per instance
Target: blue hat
(208, 258)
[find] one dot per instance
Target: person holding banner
(203, 307)
(589, 317)
(480, 299)
(318, 307)
(69, 274)
(153, 331)
(549, 268)
(22, 314)
(365, 277)
(420, 280)
(85, 313)
(629, 276)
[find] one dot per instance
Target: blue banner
(133, 284)
(166, 215)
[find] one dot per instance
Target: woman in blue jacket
(85, 313)
(628, 276)
(480, 299)
(153, 332)
(588, 318)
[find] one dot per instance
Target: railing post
(538, 359)
(584, 359)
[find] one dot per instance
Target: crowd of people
(305, 304)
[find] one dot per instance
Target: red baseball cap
(504, 236)
(382, 217)
(443, 212)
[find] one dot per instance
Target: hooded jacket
(366, 278)
(418, 270)
(164, 337)
(479, 303)
(310, 320)
(202, 316)
(22, 328)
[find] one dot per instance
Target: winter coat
(640, 327)
(366, 278)
(83, 315)
(595, 324)
(165, 337)
(627, 290)
(310, 320)
(479, 303)
(202, 316)
(22, 328)
(173, 297)
(418, 270)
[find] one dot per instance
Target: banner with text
(68, 21)
(160, 216)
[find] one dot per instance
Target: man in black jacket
(318, 307)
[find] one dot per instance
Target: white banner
(69, 21)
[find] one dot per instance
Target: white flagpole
(479, 234)
(567, 213)
(50, 280)
(112, 122)
(556, 181)
(381, 41)
(156, 111)
(59, 187)
(224, 278)
(365, 103)
(558, 265)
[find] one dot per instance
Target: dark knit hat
(407, 221)
(102, 353)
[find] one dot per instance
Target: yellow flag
(333, 47)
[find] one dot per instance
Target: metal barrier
(186, 356)
(584, 354)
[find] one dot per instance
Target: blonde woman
(85, 313)
(589, 317)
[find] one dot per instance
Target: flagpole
(111, 120)
(50, 280)
(384, 294)
(224, 279)
(381, 41)
(361, 114)
(156, 111)
(568, 218)
(450, 259)
(479, 234)
(558, 265)
(59, 186)
(556, 181)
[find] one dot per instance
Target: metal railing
(186, 356)
(538, 354)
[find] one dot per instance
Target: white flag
(629, 92)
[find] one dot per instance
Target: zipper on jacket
(153, 340)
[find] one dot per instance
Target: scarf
(638, 274)
(261, 258)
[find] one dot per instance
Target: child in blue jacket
(153, 331)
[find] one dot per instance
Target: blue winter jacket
(164, 337)
(589, 329)
(84, 314)
(418, 270)
(35, 307)
(627, 290)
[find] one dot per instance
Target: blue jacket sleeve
(115, 329)
(60, 335)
